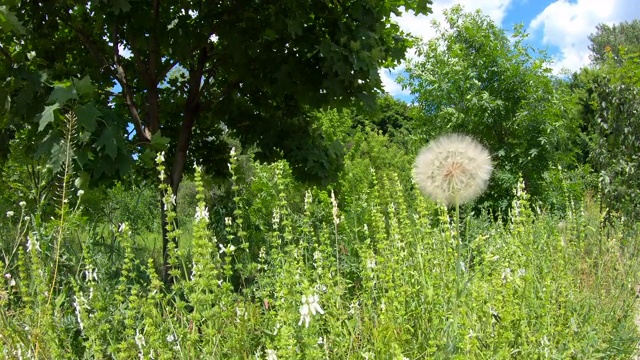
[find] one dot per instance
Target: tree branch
(191, 109)
(118, 71)
(142, 131)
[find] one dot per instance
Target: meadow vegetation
(535, 260)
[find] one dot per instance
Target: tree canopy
(188, 73)
(609, 39)
(474, 79)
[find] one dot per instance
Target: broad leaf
(83, 86)
(87, 115)
(109, 142)
(61, 94)
(47, 116)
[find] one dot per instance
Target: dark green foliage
(609, 100)
(255, 70)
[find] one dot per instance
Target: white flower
(506, 275)
(172, 201)
(228, 221)
(352, 307)
(23, 204)
(307, 199)
(334, 202)
(162, 176)
(31, 243)
(371, 263)
(160, 158)
(271, 355)
(309, 307)
(202, 214)
(453, 169)
(80, 193)
(10, 213)
(227, 250)
(233, 151)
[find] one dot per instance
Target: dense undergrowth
(365, 269)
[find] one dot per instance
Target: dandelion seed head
(453, 169)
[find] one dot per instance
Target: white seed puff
(453, 169)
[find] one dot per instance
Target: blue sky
(560, 26)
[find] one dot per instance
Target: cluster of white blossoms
(310, 306)
(202, 214)
(453, 169)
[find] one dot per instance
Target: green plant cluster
(366, 270)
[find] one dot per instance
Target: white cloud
(389, 83)
(421, 26)
(566, 26)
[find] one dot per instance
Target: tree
(474, 79)
(254, 69)
(609, 39)
(608, 100)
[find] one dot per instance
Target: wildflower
(12, 281)
(76, 305)
(202, 214)
(453, 169)
(10, 213)
(233, 152)
(228, 221)
(80, 193)
(23, 204)
(334, 202)
(307, 199)
(309, 307)
(172, 201)
(160, 158)
(506, 275)
(352, 307)
(228, 250)
(272, 355)
(139, 339)
(371, 263)
(31, 243)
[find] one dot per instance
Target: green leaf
(9, 22)
(108, 141)
(87, 115)
(47, 116)
(61, 94)
(83, 86)
(158, 141)
(58, 155)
